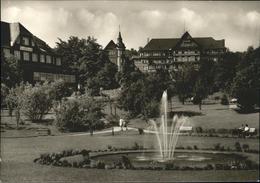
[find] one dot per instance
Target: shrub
(189, 147)
(11, 102)
(58, 90)
(195, 147)
(126, 163)
(217, 146)
(212, 130)
(4, 93)
(79, 115)
(169, 166)
(245, 147)
(199, 129)
(238, 147)
(36, 102)
(100, 165)
(136, 146)
(224, 100)
(222, 130)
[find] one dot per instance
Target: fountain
(167, 137)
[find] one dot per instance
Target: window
(17, 54)
(18, 40)
(25, 41)
(6, 52)
(36, 76)
(34, 57)
(33, 44)
(42, 58)
(26, 56)
(58, 61)
(48, 59)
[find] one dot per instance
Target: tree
(185, 78)
(226, 71)
(204, 84)
(105, 78)
(143, 95)
(58, 90)
(4, 93)
(11, 71)
(14, 101)
(86, 59)
(79, 115)
(245, 85)
(36, 101)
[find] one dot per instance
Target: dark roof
(171, 43)
(161, 44)
(5, 34)
(209, 42)
(6, 37)
(111, 45)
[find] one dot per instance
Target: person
(241, 130)
(125, 125)
(246, 130)
(121, 123)
(113, 133)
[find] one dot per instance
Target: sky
(236, 22)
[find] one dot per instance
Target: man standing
(121, 123)
(246, 131)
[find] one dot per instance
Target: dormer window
(25, 41)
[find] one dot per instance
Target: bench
(186, 129)
(43, 131)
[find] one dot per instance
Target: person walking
(121, 123)
(246, 131)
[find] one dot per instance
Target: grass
(18, 153)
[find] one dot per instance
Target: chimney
(148, 39)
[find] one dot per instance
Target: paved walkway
(116, 129)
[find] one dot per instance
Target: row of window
(183, 58)
(25, 41)
(27, 56)
(174, 53)
(41, 76)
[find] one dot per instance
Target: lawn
(212, 116)
(18, 154)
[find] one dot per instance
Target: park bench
(43, 131)
(186, 129)
(251, 132)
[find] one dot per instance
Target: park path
(116, 129)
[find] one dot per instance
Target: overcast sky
(236, 22)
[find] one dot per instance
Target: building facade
(172, 53)
(116, 52)
(39, 61)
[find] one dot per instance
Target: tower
(120, 51)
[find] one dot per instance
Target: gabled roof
(171, 43)
(209, 42)
(111, 45)
(161, 44)
(11, 31)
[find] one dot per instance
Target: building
(116, 52)
(172, 53)
(38, 60)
